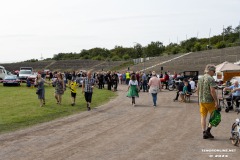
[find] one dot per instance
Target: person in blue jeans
(144, 82)
(154, 87)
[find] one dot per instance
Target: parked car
(24, 74)
(3, 72)
(189, 74)
(11, 80)
(26, 68)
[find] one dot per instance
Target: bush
(116, 58)
(126, 57)
(220, 45)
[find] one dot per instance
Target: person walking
(144, 82)
(73, 87)
(127, 75)
(39, 82)
(59, 87)
(133, 89)
(207, 98)
(87, 89)
(154, 87)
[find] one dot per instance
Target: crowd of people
(136, 81)
(150, 82)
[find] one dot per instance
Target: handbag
(215, 118)
(153, 89)
(38, 91)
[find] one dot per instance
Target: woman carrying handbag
(155, 87)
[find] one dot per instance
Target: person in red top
(174, 75)
(166, 79)
(138, 77)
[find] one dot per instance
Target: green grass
(20, 108)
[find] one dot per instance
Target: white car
(3, 72)
(24, 74)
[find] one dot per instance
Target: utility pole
(239, 32)
(209, 38)
(223, 33)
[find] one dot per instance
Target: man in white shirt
(192, 83)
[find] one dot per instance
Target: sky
(41, 28)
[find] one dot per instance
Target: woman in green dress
(133, 89)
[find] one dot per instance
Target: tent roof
(226, 66)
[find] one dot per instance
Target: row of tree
(230, 37)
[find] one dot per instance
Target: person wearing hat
(207, 98)
(154, 87)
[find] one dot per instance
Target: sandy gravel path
(119, 131)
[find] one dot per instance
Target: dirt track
(119, 131)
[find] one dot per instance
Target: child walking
(73, 88)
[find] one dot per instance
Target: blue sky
(31, 28)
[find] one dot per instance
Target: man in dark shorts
(87, 89)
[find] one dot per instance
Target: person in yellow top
(127, 77)
(73, 87)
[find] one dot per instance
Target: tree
(154, 49)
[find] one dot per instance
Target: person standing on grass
(39, 82)
(154, 87)
(73, 88)
(207, 98)
(59, 88)
(133, 89)
(87, 89)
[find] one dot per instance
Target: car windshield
(25, 72)
(10, 77)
